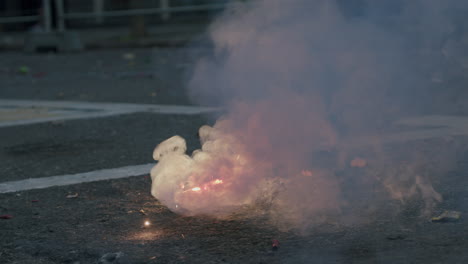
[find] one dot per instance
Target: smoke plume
(309, 87)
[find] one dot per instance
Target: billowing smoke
(309, 87)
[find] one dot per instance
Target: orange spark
(217, 181)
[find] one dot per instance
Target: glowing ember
(147, 223)
(306, 173)
(217, 181)
(196, 189)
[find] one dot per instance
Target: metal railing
(164, 10)
(45, 17)
(18, 19)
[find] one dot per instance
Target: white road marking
(422, 127)
(444, 126)
(68, 116)
(67, 110)
(98, 175)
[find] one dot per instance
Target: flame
(217, 181)
(206, 186)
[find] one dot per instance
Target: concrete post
(60, 15)
(166, 14)
(46, 16)
(98, 8)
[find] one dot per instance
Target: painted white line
(99, 175)
(84, 110)
(68, 116)
(170, 109)
(443, 126)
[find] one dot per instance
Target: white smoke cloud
(300, 80)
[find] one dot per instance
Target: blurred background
(97, 50)
(142, 18)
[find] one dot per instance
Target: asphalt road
(118, 75)
(52, 148)
(83, 222)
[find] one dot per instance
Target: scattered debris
(358, 163)
(142, 212)
(133, 75)
(396, 237)
(113, 258)
(39, 75)
(34, 201)
(58, 122)
(23, 69)
(6, 216)
(447, 216)
(128, 56)
(72, 195)
(275, 244)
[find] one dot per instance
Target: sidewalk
(163, 35)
